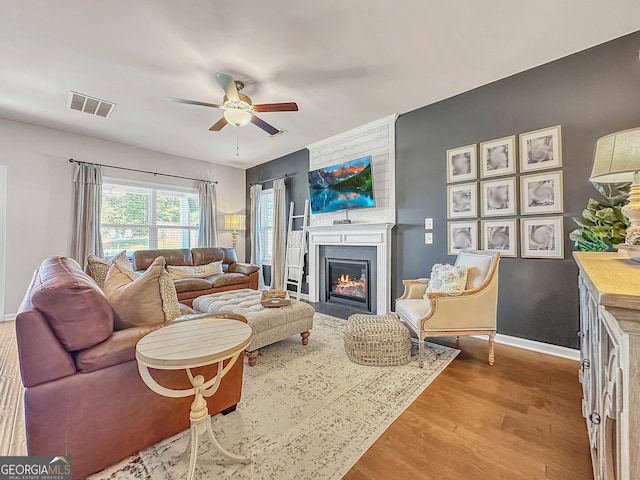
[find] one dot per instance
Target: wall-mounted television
(344, 186)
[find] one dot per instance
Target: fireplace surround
(348, 276)
(347, 282)
(364, 241)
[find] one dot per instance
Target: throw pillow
(186, 310)
(197, 271)
(141, 299)
(97, 267)
(75, 308)
(447, 278)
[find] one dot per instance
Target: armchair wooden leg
(491, 348)
(421, 351)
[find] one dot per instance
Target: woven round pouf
(377, 340)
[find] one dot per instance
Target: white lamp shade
(237, 116)
(617, 157)
(234, 222)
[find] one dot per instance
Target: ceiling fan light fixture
(239, 109)
(237, 116)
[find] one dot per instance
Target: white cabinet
(610, 362)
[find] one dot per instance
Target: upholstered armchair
(472, 311)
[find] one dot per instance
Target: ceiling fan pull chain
(237, 146)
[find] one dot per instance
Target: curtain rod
(269, 179)
(71, 160)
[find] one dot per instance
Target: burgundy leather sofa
(83, 394)
(236, 275)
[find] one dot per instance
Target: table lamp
(618, 161)
(234, 223)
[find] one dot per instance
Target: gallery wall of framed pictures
(518, 176)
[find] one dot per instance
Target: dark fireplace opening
(347, 283)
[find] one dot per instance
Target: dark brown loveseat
(83, 394)
(236, 275)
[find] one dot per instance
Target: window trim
(129, 182)
(3, 238)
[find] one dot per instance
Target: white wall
(376, 139)
(39, 193)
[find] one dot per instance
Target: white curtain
(208, 232)
(279, 235)
(87, 202)
(254, 226)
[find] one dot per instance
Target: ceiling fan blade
(229, 86)
(216, 127)
(276, 107)
(270, 129)
(193, 102)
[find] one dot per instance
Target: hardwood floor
(519, 419)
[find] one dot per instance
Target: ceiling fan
(239, 110)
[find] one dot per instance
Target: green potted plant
(602, 224)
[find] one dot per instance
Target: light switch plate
(428, 223)
(428, 238)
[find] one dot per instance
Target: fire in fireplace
(347, 282)
(352, 287)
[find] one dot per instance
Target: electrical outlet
(428, 223)
(428, 238)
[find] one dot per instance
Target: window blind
(266, 224)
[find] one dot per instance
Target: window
(140, 217)
(266, 225)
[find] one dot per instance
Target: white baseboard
(9, 317)
(540, 347)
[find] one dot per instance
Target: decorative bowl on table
(275, 298)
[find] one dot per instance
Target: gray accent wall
(591, 93)
(295, 166)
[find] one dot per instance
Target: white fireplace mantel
(356, 234)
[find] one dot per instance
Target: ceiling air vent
(90, 105)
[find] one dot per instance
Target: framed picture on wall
(500, 236)
(541, 193)
(462, 200)
(541, 149)
(462, 164)
(462, 236)
(499, 197)
(542, 237)
(498, 157)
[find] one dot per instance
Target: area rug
(306, 413)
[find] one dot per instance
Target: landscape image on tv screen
(342, 187)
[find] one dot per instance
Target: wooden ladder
(303, 246)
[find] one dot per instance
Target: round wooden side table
(190, 344)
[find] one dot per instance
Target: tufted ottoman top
(246, 302)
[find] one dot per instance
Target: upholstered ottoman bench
(377, 340)
(269, 325)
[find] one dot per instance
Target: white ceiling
(345, 62)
